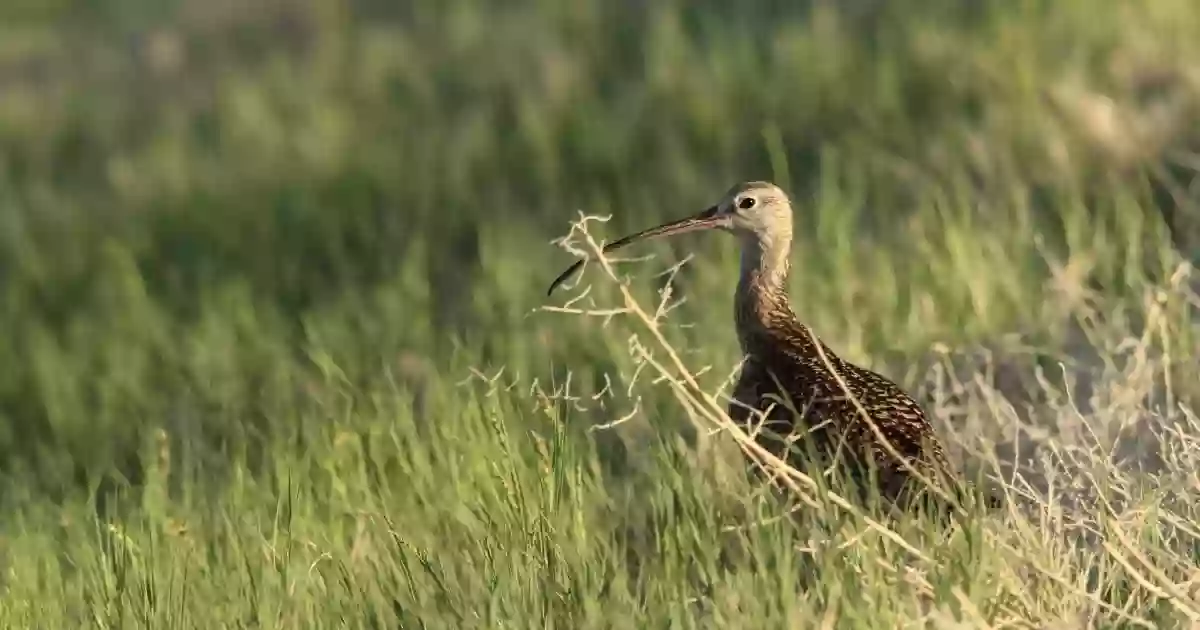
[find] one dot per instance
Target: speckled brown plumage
(782, 359)
(784, 362)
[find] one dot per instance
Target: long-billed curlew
(785, 361)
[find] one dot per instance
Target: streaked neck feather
(761, 308)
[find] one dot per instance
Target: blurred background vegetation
(210, 210)
(250, 249)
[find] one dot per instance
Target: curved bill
(707, 220)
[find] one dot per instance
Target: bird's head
(759, 210)
(756, 210)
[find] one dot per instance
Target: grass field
(277, 351)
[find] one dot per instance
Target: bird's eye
(746, 203)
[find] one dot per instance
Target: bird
(785, 394)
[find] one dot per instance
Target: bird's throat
(761, 301)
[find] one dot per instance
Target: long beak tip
(707, 219)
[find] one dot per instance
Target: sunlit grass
(272, 287)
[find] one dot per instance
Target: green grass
(275, 354)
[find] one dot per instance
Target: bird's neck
(761, 306)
